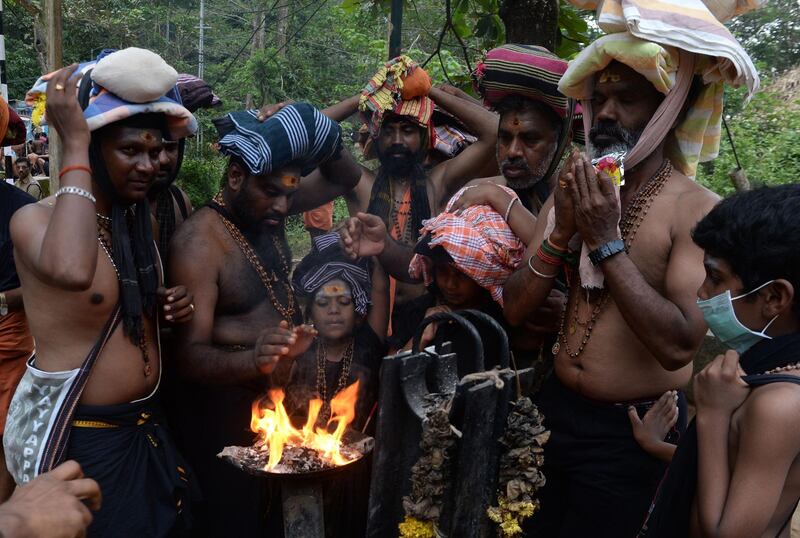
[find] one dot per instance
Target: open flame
(275, 429)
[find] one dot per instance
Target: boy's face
(721, 278)
(132, 158)
(457, 289)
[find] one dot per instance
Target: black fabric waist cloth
(671, 508)
(147, 488)
(599, 480)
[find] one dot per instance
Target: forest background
(258, 52)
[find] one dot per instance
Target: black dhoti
(145, 485)
(599, 480)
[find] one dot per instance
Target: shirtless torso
(616, 365)
(67, 323)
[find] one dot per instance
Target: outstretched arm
(61, 247)
(343, 109)
(366, 235)
(333, 178)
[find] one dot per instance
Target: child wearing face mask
(736, 471)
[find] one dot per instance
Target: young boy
(736, 472)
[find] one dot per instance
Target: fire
(275, 429)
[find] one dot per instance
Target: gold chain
(629, 225)
(286, 312)
(322, 379)
(107, 248)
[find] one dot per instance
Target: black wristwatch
(606, 250)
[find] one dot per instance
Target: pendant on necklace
(555, 349)
(148, 370)
(572, 328)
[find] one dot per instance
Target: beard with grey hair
(607, 137)
(530, 175)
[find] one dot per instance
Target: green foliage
(200, 178)
(767, 138)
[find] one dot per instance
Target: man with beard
(402, 193)
(247, 323)
(631, 325)
(91, 286)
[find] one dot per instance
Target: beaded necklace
(103, 223)
(322, 379)
(287, 312)
(629, 225)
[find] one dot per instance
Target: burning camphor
(275, 429)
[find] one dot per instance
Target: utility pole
(201, 64)
(3, 75)
(395, 29)
(55, 61)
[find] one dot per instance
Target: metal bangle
(83, 193)
(537, 273)
(508, 209)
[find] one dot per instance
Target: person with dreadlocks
(234, 255)
(90, 276)
(168, 202)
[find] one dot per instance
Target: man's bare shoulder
(691, 201)
(201, 235)
(32, 216)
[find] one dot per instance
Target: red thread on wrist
(74, 168)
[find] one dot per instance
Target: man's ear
(779, 297)
(236, 176)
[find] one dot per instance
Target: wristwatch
(606, 250)
(3, 304)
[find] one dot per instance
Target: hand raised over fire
(281, 342)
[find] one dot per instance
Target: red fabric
(16, 347)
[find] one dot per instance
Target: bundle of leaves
(520, 468)
(429, 475)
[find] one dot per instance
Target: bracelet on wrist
(508, 209)
(74, 168)
(77, 191)
(548, 258)
(538, 273)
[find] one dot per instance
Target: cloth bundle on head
(399, 87)
(527, 71)
(297, 133)
(125, 83)
(196, 93)
(327, 261)
(118, 86)
(479, 241)
(669, 44)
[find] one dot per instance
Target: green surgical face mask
(721, 319)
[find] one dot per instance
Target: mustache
(515, 162)
(627, 137)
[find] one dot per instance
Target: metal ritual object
(411, 382)
(301, 491)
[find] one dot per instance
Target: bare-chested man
(402, 192)
(91, 287)
(633, 339)
(234, 254)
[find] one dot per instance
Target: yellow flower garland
(38, 109)
(411, 527)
